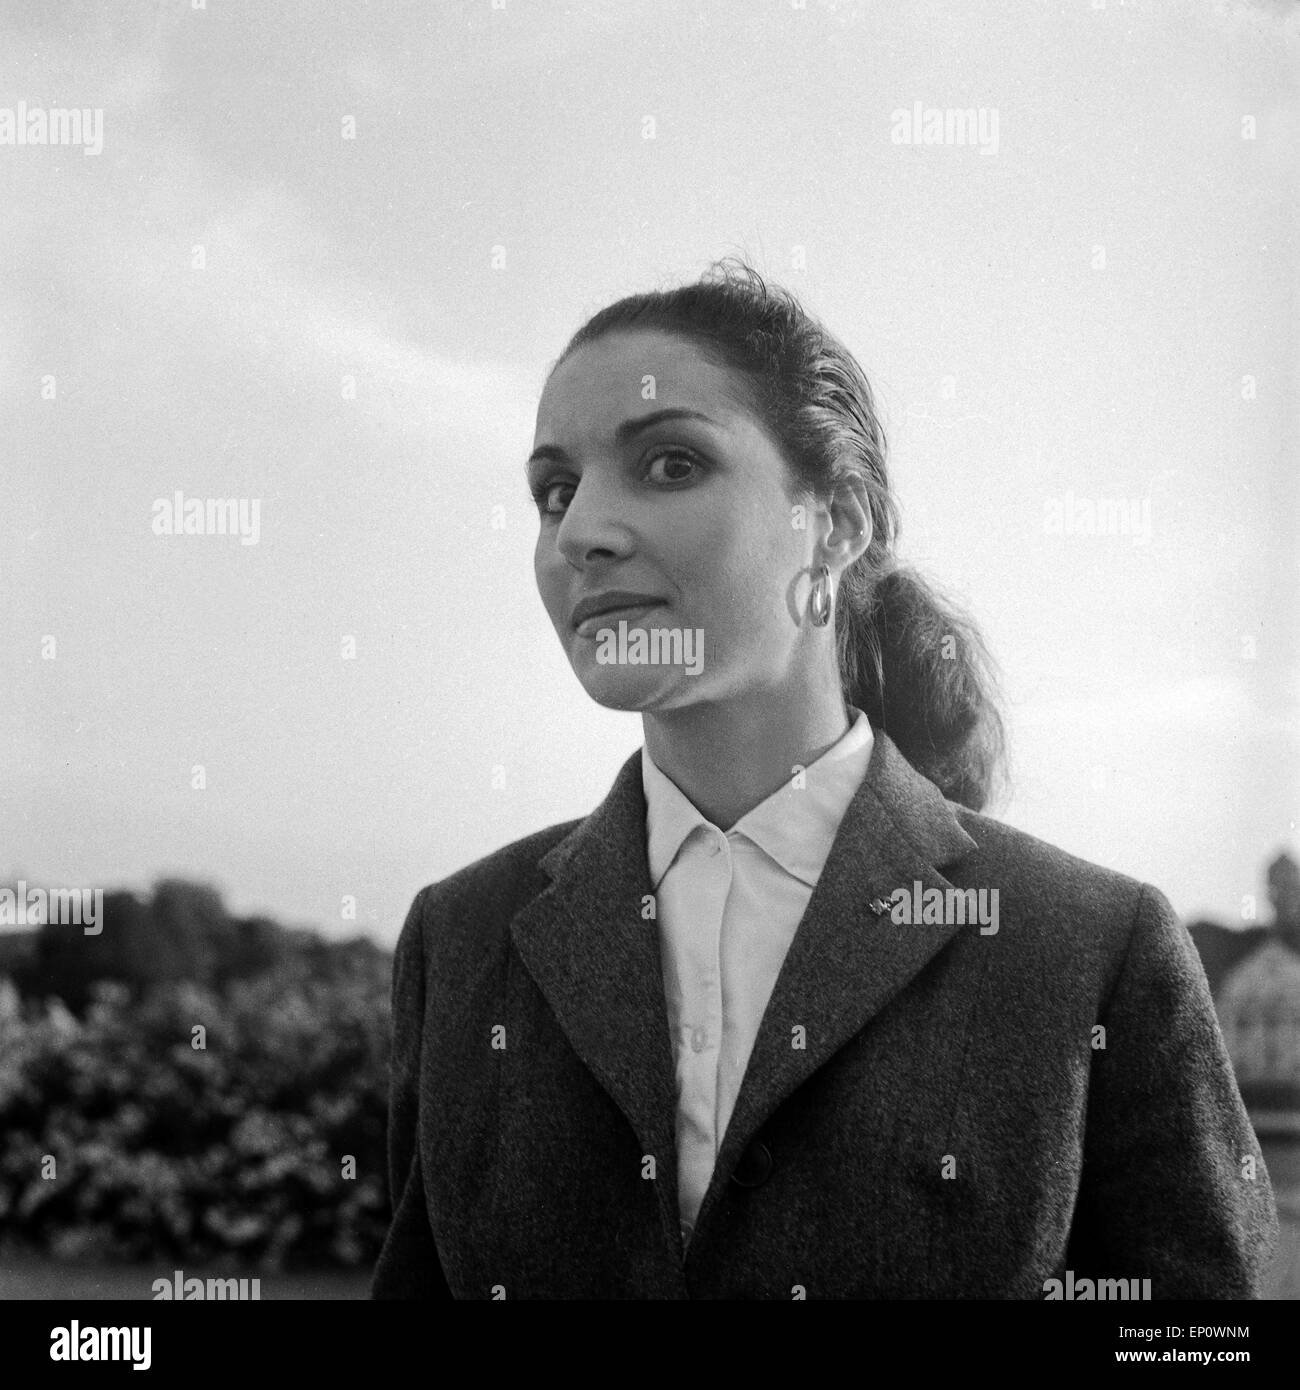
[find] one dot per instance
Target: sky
(325, 256)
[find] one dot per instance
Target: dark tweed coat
(952, 1127)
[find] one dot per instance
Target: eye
(672, 466)
(552, 498)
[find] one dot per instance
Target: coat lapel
(846, 962)
(594, 952)
(595, 956)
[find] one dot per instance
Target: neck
(728, 757)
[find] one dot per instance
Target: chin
(634, 688)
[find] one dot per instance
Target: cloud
(99, 247)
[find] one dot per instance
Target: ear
(851, 529)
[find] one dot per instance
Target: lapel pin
(880, 906)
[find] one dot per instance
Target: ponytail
(917, 666)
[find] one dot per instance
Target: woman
(785, 1016)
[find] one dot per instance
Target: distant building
(1259, 1011)
(1255, 979)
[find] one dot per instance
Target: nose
(594, 526)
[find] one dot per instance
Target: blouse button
(699, 1039)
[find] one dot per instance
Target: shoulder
(472, 908)
(1044, 874)
(505, 876)
(1060, 907)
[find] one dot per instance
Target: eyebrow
(626, 431)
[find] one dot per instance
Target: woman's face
(664, 503)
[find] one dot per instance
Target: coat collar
(592, 947)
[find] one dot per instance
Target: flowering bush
(196, 1125)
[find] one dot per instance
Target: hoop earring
(819, 601)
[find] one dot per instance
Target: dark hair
(910, 659)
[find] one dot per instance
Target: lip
(611, 605)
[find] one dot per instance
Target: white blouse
(727, 906)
